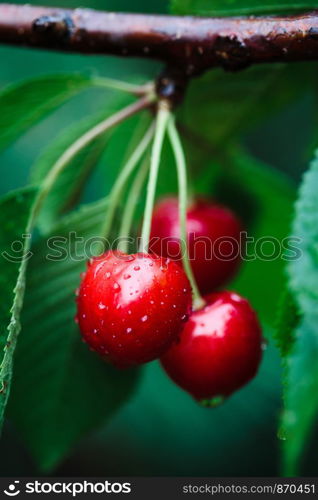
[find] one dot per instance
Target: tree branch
(192, 44)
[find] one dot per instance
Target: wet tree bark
(193, 44)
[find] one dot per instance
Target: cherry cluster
(133, 309)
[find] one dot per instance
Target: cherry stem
(161, 126)
(130, 206)
(83, 141)
(182, 183)
(137, 90)
(121, 180)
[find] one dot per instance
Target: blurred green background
(160, 431)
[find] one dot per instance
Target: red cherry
(131, 307)
(219, 350)
(213, 240)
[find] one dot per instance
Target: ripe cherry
(219, 350)
(131, 307)
(213, 240)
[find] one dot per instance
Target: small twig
(194, 44)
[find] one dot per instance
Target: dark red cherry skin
(130, 308)
(219, 350)
(207, 222)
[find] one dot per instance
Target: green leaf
(301, 400)
(70, 184)
(68, 189)
(221, 106)
(288, 318)
(61, 390)
(301, 391)
(15, 210)
(24, 104)
(303, 272)
(238, 7)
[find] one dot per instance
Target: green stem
(83, 141)
(110, 83)
(182, 182)
(161, 125)
(130, 206)
(123, 177)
